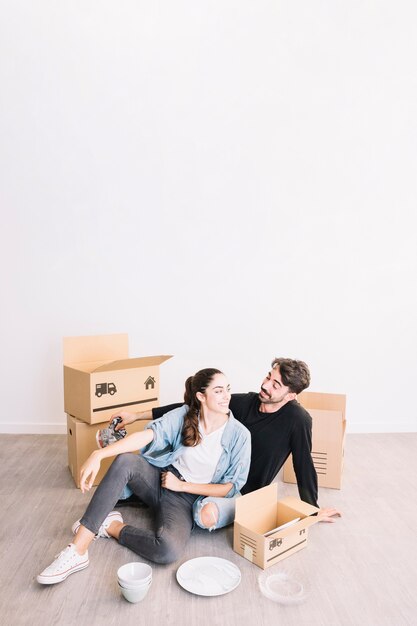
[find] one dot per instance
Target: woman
(192, 452)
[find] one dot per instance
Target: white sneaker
(114, 516)
(66, 562)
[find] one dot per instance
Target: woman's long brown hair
(194, 384)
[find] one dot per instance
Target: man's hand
(170, 481)
(127, 418)
(328, 515)
(89, 471)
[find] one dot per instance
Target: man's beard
(268, 399)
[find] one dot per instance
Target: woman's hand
(127, 418)
(171, 482)
(328, 515)
(89, 471)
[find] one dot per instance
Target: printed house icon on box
(150, 382)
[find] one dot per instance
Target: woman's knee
(208, 516)
(167, 551)
(124, 463)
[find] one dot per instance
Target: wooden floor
(361, 571)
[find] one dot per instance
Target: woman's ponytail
(188, 390)
(198, 383)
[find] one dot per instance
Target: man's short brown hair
(294, 374)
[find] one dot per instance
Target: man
(279, 426)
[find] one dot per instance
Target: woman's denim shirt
(166, 447)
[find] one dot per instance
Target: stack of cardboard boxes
(328, 412)
(99, 380)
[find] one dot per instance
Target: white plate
(208, 576)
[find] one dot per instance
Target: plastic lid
(280, 586)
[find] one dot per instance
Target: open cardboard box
(100, 379)
(328, 412)
(81, 439)
(260, 512)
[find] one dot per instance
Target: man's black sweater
(274, 437)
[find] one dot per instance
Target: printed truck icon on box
(103, 388)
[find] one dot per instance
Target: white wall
(225, 181)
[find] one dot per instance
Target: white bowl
(141, 586)
(134, 573)
(134, 583)
(134, 595)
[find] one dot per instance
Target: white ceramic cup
(135, 595)
(135, 574)
(136, 586)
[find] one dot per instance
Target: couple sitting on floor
(194, 461)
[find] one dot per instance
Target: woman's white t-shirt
(197, 464)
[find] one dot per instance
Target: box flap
(324, 401)
(85, 367)
(95, 348)
(287, 532)
(248, 503)
(123, 364)
(299, 505)
(326, 423)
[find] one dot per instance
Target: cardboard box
(260, 512)
(81, 438)
(100, 379)
(328, 412)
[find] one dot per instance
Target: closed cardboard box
(81, 438)
(328, 412)
(267, 530)
(100, 378)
